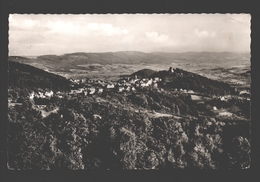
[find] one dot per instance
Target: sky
(33, 35)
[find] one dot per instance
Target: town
(89, 87)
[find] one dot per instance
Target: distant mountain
(66, 62)
(29, 77)
(20, 59)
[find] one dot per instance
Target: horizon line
(131, 51)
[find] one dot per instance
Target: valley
(229, 67)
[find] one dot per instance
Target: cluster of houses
(45, 94)
(13, 103)
(223, 98)
(87, 81)
(97, 87)
(128, 84)
(131, 84)
(245, 93)
(77, 81)
(185, 91)
(146, 82)
(86, 91)
(226, 98)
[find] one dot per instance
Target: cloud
(24, 24)
(62, 27)
(101, 33)
(156, 37)
(105, 29)
(90, 29)
(203, 33)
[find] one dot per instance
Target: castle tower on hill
(171, 70)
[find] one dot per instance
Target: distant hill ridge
(69, 61)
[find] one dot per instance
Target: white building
(91, 90)
(244, 92)
(83, 80)
(223, 98)
(128, 88)
(127, 84)
(143, 84)
(41, 95)
(72, 91)
(76, 91)
(132, 81)
(100, 90)
(80, 90)
(156, 79)
(155, 85)
(150, 82)
(49, 94)
(120, 89)
(191, 92)
(110, 86)
(133, 89)
(31, 95)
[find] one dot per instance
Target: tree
(199, 156)
(127, 148)
(239, 157)
(151, 160)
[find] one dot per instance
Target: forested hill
(144, 73)
(29, 77)
(180, 78)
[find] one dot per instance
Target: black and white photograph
(129, 91)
